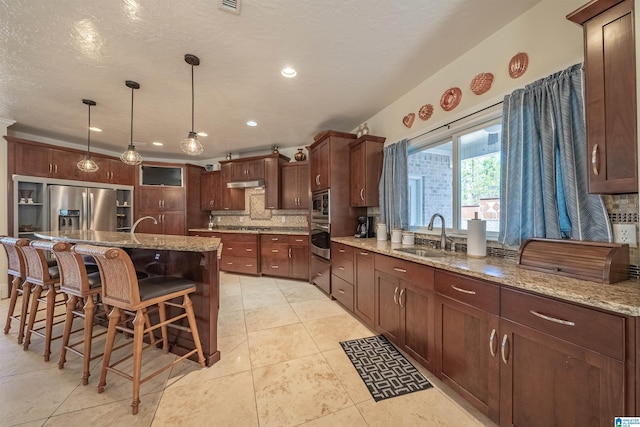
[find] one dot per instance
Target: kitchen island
(194, 258)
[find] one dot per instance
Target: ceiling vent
(232, 6)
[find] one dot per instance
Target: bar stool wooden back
(17, 268)
(82, 290)
(122, 291)
(43, 277)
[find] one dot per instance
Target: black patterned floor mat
(384, 370)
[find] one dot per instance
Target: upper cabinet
(319, 155)
(246, 170)
(610, 94)
(366, 166)
(42, 160)
(295, 185)
(210, 194)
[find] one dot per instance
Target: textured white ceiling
(353, 59)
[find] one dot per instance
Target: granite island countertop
(294, 231)
(622, 297)
(137, 240)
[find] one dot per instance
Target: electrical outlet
(284, 218)
(241, 219)
(625, 233)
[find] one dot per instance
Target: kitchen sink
(427, 253)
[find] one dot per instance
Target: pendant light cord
(192, 100)
(131, 140)
(89, 133)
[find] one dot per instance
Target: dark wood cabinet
(610, 94)
(342, 274)
(246, 170)
(295, 185)
(111, 171)
(467, 339)
(404, 306)
(565, 368)
(365, 159)
(240, 253)
(284, 256)
(166, 204)
(211, 191)
(231, 198)
(320, 165)
(320, 273)
(364, 286)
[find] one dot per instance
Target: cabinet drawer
(275, 250)
(320, 273)
(240, 249)
(273, 238)
(342, 291)
(417, 274)
(343, 268)
(339, 250)
(238, 237)
(239, 264)
(274, 266)
(475, 293)
(601, 332)
(299, 240)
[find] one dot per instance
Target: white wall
(4, 214)
(543, 32)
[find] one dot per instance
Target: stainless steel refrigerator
(82, 208)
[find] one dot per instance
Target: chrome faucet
(443, 236)
(135, 224)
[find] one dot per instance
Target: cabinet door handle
(274, 239)
(341, 291)
(318, 179)
(395, 296)
(159, 204)
(275, 266)
(464, 291)
(107, 175)
(319, 274)
(400, 297)
(275, 251)
(492, 340)
(55, 169)
(400, 270)
(364, 253)
(503, 348)
(299, 240)
(341, 268)
(162, 217)
(594, 160)
(289, 252)
(50, 168)
(552, 319)
(341, 251)
(249, 250)
(362, 193)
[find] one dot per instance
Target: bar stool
(18, 269)
(122, 291)
(82, 290)
(43, 277)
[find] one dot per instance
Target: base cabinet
(404, 306)
(320, 273)
(364, 287)
(284, 255)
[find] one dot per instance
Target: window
(457, 174)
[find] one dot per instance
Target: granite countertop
(254, 230)
(622, 297)
(137, 240)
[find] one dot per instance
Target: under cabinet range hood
(246, 184)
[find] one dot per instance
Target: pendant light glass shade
(131, 156)
(87, 164)
(190, 144)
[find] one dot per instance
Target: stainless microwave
(320, 207)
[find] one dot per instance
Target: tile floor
(281, 366)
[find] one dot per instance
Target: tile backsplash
(255, 214)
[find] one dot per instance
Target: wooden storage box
(594, 261)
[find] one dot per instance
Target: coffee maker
(365, 227)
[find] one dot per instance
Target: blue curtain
(394, 186)
(544, 164)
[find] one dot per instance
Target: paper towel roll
(477, 238)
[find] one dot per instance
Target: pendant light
(190, 144)
(131, 156)
(87, 164)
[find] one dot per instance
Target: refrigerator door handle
(83, 226)
(90, 212)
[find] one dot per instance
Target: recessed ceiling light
(252, 123)
(159, 144)
(95, 129)
(289, 72)
(203, 134)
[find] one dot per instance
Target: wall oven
(321, 240)
(320, 225)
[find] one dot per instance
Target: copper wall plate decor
(451, 98)
(481, 83)
(518, 65)
(425, 111)
(408, 120)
